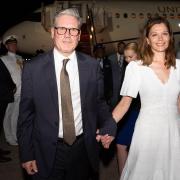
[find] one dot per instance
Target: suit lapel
(50, 76)
(49, 69)
(83, 77)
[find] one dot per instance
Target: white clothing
(12, 111)
(72, 69)
(10, 121)
(100, 62)
(155, 149)
(120, 58)
(10, 60)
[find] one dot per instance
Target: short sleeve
(131, 83)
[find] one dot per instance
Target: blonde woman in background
(131, 52)
(126, 127)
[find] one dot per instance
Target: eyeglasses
(63, 30)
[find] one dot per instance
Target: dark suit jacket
(117, 76)
(7, 86)
(108, 83)
(38, 123)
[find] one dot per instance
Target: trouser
(3, 106)
(10, 121)
(71, 162)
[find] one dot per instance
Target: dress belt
(61, 140)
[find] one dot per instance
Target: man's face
(65, 43)
(121, 47)
(100, 53)
(12, 47)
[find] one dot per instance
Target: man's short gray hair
(71, 12)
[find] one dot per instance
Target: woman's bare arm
(122, 107)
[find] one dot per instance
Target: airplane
(105, 22)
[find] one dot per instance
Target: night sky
(14, 11)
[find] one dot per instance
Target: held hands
(30, 167)
(105, 139)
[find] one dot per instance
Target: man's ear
(52, 32)
(79, 36)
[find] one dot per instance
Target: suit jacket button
(56, 123)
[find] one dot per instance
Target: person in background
(39, 51)
(105, 64)
(154, 151)
(7, 90)
(13, 63)
(126, 126)
(62, 106)
(178, 51)
(118, 65)
(131, 52)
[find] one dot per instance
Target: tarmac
(12, 170)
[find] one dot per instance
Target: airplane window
(141, 15)
(164, 15)
(149, 15)
(125, 15)
(133, 15)
(172, 16)
(117, 15)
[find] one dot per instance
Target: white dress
(155, 149)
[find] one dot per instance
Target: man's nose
(67, 33)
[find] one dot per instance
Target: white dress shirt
(72, 69)
(120, 58)
(100, 62)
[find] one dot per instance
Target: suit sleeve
(26, 116)
(6, 83)
(107, 124)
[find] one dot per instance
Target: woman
(155, 148)
(131, 52)
(126, 127)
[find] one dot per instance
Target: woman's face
(130, 55)
(158, 38)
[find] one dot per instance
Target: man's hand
(30, 167)
(105, 139)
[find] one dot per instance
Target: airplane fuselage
(112, 21)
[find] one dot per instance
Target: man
(62, 88)
(118, 66)
(13, 63)
(99, 54)
(7, 91)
